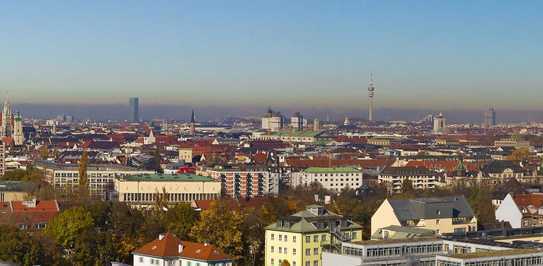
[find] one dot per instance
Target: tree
(67, 226)
(19, 247)
(44, 152)
(221, 227)
(520, 154)
(83, 178)
(179, 219)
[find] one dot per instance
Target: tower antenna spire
(371, 94)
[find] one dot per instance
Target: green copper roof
(331, 170)
(160, 177)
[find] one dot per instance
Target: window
(437, 221)
(294, 239)
(294, 251)
(272, 237)
(272, 249)
(280, 237)
(315, 263)
(353, 235)
(307, 251)
(272, 262)
(141, 259)
(315, 251)
(323, 238)
(307, 263)
(316, 238)
(280, 250)
(285, 250)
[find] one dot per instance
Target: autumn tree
(520, 154)
(83, 177)
(19, 247)
(221, 227)
(67, 226)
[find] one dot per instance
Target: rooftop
(333, 170)
(307, 133)
(14, 186)
(496, 253)
(170, 178)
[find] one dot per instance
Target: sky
(424, 54)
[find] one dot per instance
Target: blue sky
(431, 54)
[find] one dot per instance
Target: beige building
(185, 155)
(14, 191)
(100, 176)
(441, 215)
(145, 190)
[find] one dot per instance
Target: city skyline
(454, 55)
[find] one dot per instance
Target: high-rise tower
(489, 118)
(134, 109)
(371, 94)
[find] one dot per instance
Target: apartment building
(101, 177)
(331, 178)
(298, 239)
(244, 183)
(421, 178)
(144, 190)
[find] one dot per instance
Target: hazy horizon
(437, 55)
(217, 113)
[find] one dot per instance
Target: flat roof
(332, 170)
(395, 241)
(496, 253)
(14, 186)
(162, 177)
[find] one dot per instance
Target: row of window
(284, 238)
(307, 263)
(171, 197)
(339, 174)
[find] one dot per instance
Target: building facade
(146, 190)
(331, 178)
(419, 177)
(299, 239)
(245, 183)
(101, 177)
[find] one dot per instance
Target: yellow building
(299, 238)
(143, 190)
(442, 215)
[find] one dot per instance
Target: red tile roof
(16, 212)
(170, 246)
(524, 200)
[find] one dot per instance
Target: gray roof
(432, 208)
(15, 186)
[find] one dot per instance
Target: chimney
(180, 248)
(161, 236)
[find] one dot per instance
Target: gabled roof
(432, 208)
(168, 246)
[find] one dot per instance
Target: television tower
(371, 94)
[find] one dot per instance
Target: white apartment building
(331, 178)
(421, 178)
(101, 177)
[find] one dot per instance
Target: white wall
(508, 211)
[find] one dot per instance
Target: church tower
(18, 135)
